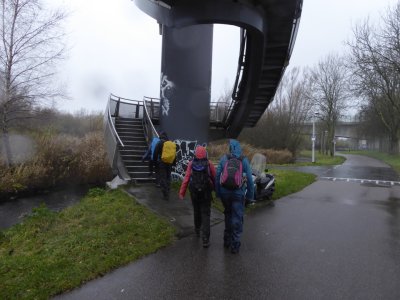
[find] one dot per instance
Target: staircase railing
(239, 75)
(218, 111)
(112, 139)
(130, 108)
(151, 108)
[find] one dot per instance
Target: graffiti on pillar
(184, 153)
(167, 90)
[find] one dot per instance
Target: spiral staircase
(268, 32)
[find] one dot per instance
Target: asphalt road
(336, 239)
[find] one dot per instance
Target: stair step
(129, 153)
(132, 128)
(142, 146)
(138, 145)
(129, 122)
(136, 163)
(136, 141)
(143, 174)
(144, 180)
(131, 134)
(136, 169)
(134, 148)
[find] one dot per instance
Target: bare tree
(375, 64)
(329, 93)
(30, 47)
(280, 126)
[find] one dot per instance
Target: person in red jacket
(200, 177)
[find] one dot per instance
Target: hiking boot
(206, 243)
(234, 250)
(227, 244)
(197, 231)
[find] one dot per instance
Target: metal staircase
(128, 129)
(269, 29)
(132, 135)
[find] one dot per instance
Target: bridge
(343, 129)
(349, 130)
(268, 32)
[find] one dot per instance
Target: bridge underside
(270, 28)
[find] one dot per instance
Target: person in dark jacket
(234, 199)
(200, 192)
(164, 169)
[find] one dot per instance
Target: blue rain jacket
(235, 150)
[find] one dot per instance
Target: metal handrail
(125, 100)
(239, 74)
(110, 121)
(154, 131)
(295, 28)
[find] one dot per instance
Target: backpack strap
(229, 156)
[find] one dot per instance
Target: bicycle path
(332, 240)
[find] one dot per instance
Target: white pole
(313, 141)
(334, 146)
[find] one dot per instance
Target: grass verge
(286, 182)
(391, 160)
(53, 252)
(320, 159)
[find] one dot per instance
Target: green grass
(320, 159)
(391, 160)
(286, 182)
(52, 252)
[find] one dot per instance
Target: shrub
(92, 163)
(59, 160)
(216, 150)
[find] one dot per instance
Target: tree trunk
(7, 149)
(394, 145)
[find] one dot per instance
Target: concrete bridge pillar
(185, 90)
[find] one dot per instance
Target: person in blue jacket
(149, 155)
(234, 199)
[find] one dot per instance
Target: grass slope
(52, 252)
(286, 182)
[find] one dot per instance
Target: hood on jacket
(200, 152)
(163, 136)
(234, 148)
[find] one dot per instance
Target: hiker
(233, 193)
(165, 154)
(149, 155)
(200, 177)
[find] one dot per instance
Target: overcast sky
(116, 48)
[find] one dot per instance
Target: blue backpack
(153, 145)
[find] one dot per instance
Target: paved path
(332, 240)
(178, 212)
